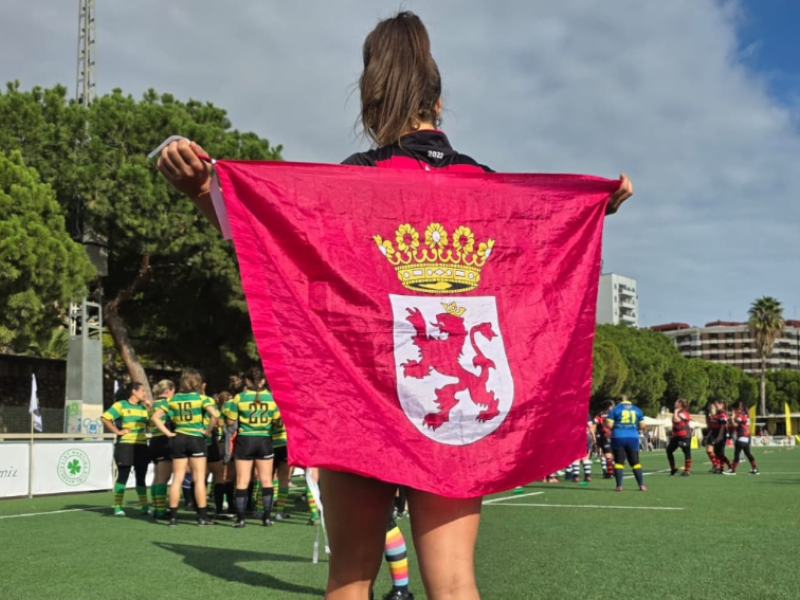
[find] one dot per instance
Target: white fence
(773, 440)
(55, 464)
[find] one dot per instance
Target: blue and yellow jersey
(161, 403)
(186, 411)
(131, 417)
(257, 413)
(626, 418)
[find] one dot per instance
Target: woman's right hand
(171, 434)
(181, 166)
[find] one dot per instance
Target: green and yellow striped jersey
(186, 412)
(215, 435)
(131, 417)
(278, 432)
(256, 412)
(163, 404)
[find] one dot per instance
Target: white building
(730, 343)
(617, 300)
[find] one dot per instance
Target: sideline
(495, 500)
(55, 512)
(595, 506)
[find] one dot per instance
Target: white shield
(454, 386)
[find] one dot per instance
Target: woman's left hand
(624, 192)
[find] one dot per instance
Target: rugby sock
(230, 494)
(241, 503)
(688, 465)
(637, 472)
(219, 496)
(671, 460)
(568, 472)
(587, 468)
(254, 489)
(141, 491)
(734, 466)
(753, 464)
(202, 513)
(312, 505)
(275, 483)
(267, 496)
(609, 466)
(618, 472)
(397, 558)
(160, 496)
(400, 501)
(714, 460)
(280, 503)
(173, 513)
(119, 494)
(724, 461)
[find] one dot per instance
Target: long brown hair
(191, 381)
(400, 85)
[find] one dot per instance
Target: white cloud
(657, 89)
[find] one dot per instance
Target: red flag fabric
(425, 328)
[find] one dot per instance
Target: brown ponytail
(400, 86)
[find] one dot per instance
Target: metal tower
(83, 403)
(85, 89)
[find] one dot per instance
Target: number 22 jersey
(256, 412)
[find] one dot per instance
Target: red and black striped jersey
(427, 149)
(717, 421)
(681, 428)
(601, 431)
(741, 422)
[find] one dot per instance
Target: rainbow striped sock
(397, 558)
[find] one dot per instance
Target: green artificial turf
(734, 538)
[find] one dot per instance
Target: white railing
(56, 463)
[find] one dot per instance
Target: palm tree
(766, 326)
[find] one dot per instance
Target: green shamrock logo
(74, 467)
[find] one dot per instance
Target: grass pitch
(705, 537)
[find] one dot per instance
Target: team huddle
(239, 440)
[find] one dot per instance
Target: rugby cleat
(673, 472)
(685, 474)
(755, 472)
(618, 488)
(118, 512)
(642, 488)
(173, 522)
(267, 522)
(398, 595)
(239, 524)
(204, 522)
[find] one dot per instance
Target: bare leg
(198, 466)
(445, 532)
(179, 466)
(356, 509)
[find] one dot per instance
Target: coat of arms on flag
(453, 379)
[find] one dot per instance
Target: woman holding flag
(400, 111)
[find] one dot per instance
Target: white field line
(648, 473)
(495, 500)
(593, 506)
(55, 512)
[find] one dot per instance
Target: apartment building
(617, 300)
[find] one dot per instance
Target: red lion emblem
(443, 355)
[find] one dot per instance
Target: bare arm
(186, 172)
(112, 427)
(156, 420)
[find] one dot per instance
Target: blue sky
(696, 100)
(770, 28)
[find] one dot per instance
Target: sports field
(704, 537)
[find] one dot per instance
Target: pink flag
(429, 329)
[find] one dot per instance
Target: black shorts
(253, 447)
(159, 449)
(281, 455)
(131, 455)
(604, 445)
(188, 446)
(213, 452)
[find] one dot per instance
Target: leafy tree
(647, 355)
(687, 379)
(783, 386)
(766, 325)
(42, 268)
(610, 372)
(173, 289)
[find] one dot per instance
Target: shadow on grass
(223, 563)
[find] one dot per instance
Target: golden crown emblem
(439, 264)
